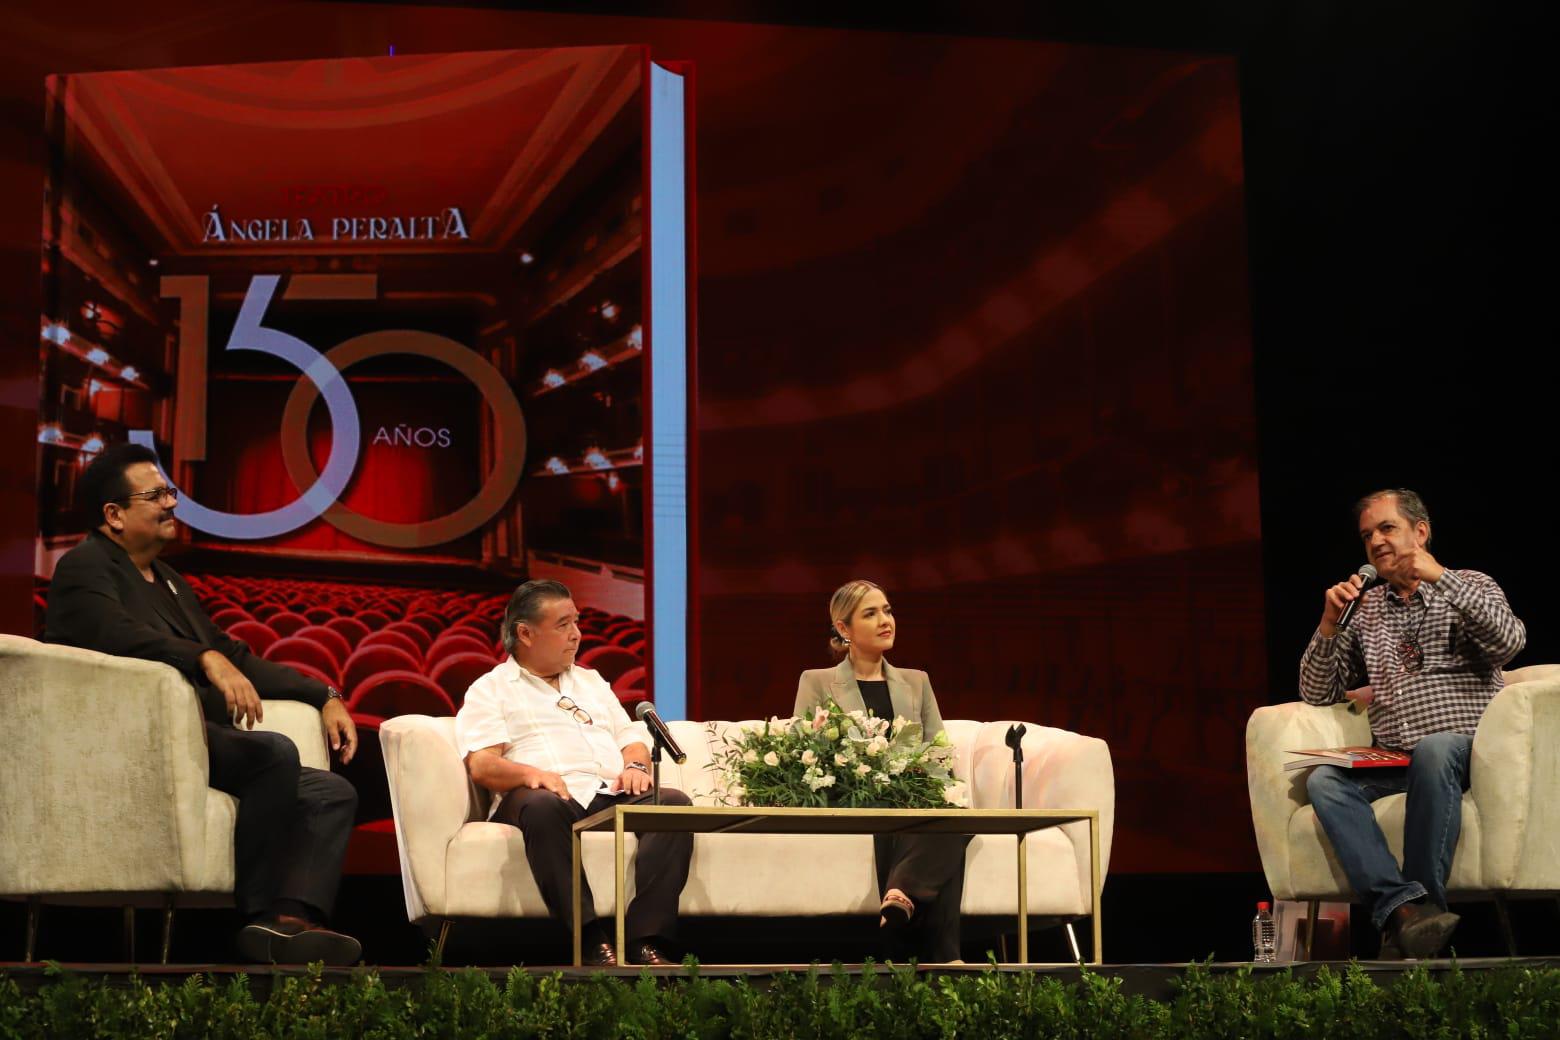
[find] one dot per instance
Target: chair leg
(444, 935)
(34, 912)
(1072, 940)
(129, 935)
(1503, 912)
(1311, 910)
(167, 928)
(1002, 951)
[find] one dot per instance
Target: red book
(1349, 758)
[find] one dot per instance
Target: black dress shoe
(648, 953)
(1420, 931)
(598, 955)
(292, 940)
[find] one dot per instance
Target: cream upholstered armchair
(455, 864)
(103, 784)
(1510, 843)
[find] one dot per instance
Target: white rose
(841, 760)
(863, 769)
(750, 756)
(771, 759)
(808, 758)
(880, 778)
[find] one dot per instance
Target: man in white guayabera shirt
(552, 742)
(1430, 642)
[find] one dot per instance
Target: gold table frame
(700, 819)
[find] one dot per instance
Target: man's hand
(1338, 597)
(632, 781)
(340, 730)
(1414, 565)
(243, 703)
(541, 779)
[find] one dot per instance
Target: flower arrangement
(839, 759)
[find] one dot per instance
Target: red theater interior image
(1077, 334)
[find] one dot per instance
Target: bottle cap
(1263, 906)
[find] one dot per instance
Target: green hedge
(1508, 1003)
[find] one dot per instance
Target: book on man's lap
(1349, 758)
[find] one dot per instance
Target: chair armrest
(96, 745)
(430, 796)
(1514, 776)
(302, 724)
(1277, 793)
(1062, 770)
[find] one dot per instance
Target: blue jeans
(1432, 820)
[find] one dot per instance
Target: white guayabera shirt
(518, 709)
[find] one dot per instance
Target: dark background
(1398, 222)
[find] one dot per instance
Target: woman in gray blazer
(920, 876)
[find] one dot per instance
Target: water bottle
(1264, 940)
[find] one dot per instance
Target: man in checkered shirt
(1430, 642)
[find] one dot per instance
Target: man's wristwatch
(331, 693)
(637, 765)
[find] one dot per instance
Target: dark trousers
(660, 864)
(929, 868)
(293, 822)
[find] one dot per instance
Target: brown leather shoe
(598, 955)
(648, 953)
(1419, 931)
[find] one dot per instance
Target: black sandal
(896, 910)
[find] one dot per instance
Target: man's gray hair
(1408, 502)
(526, 605)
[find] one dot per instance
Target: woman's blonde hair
(842, 605)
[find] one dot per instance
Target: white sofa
(455, 864)
(1510, 843)
(103, 783)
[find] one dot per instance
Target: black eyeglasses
(156, 494)
(580, 714)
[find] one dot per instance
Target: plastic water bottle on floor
(1264, 939)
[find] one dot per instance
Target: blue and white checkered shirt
(1464, 627)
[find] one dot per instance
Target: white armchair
(1510, 843)
(103, 784)
(456, 864)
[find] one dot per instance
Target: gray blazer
(908, 688)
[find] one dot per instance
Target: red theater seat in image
(351, 629)
(447, 646)
(257, 636)
(624, 636)
(432, 624)
(264, 610)
(295, 650)
(631, 680)
(367, 661)
(227, 617)
(416, 633)
(455, 674)
(374, 619)
(331, 640)
(319, 615)
(610, 661)
(400, 640)
(388, 694)
(588, 643)
(371, 850)
(286, 623)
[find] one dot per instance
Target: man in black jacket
(110, 593)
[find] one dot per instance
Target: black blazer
(98, 600)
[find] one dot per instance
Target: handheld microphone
(659, 731)
(1368, 574)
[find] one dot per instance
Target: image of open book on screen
(1348, 757)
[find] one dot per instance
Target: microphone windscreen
(1368, 573)
(644, 708)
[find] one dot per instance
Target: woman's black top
(874, 692)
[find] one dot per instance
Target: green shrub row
(1509, 1003)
